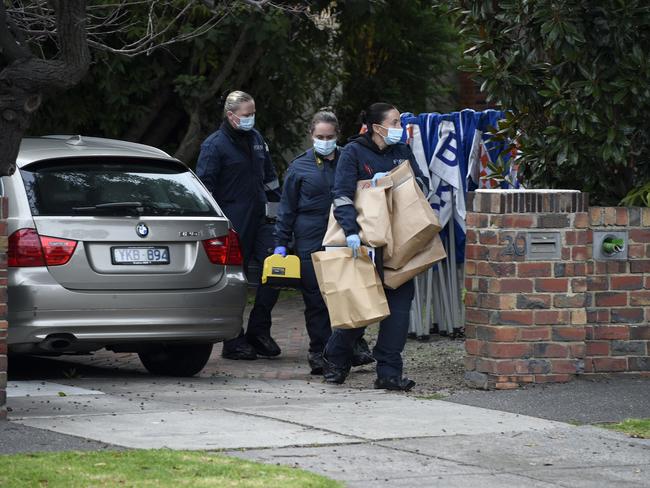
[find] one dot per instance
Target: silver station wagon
(118, 245)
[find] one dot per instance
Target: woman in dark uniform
(371, 156)
(303, 215)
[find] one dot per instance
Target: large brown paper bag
(413, 221)
(373, 217)
(422, 261)
(350, 287)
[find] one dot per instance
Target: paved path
(273, 411)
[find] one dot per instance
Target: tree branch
(11, 50)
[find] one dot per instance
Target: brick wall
(541, 318)
(618, 313)
(3, 307)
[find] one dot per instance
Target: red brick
(610, 216)
(609, 364)
(640, 332)
(497, 302)
(578, 285)
(640, 266)
(621, 216)
(511, 285)
(550, 350)
(595, 216)
(503, 385)
(568, 334)
(646, 285)
(577, 350)
(576, 300)
(565, 253)
(581, 220)
(598, 316)
(626, 282)
(470, 268)
(533, 301)
(534, 334)
(580, 253)
(496, 269)
(551, 317)
(473, 346)
(471, 236)
(476, 220)
(470, 363)
(476, 316)
(533, 270)
(569, 269)
(470, 331)
(610, 299)
(613, 332)
(578, 317)
(514, 317)
(508, 350)
(552, 284)
(640, 363)
(597, 283)
(640, 298)
(626, 315)
(488, 237)
(471, 299)
(518, 221)
(640, 235)
(477, 252)
(533, 366)
(565, 366)
(636, 251)
(496, 221)
(497, 334)
(597, 348)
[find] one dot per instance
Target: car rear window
(101, 187)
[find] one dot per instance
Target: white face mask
(246, 123)
(394, 135)
(324, 148)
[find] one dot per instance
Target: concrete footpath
(274, 412)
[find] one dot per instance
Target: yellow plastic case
(281, 272)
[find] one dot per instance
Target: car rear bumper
(40, 307)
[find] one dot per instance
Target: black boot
(316, 362)
(238, 348)
(361, 353)
(264, 345)
(394, 383)
(333, 373)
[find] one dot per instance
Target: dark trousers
(390, 341)
(259, 320)
(317, 319)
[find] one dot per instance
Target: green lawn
(639, 428)
(149, 468)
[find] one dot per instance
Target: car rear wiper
(137, 206)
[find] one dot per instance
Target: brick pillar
(3, 307)
(525, 316)
(618, 334)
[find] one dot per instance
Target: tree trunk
(25, 79)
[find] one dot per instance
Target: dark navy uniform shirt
(360, 159)
(236, 168)
(306, 201)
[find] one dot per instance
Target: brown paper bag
(413, 221)
(422, 261)
(373, 217)
(350, 287)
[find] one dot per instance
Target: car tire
(175, 359)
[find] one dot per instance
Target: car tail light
(27, 249)
(224, 249)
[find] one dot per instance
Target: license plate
(140, 255)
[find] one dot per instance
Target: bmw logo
(142, 230)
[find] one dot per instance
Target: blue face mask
(246, 123)
(394, 135)
(324, 148)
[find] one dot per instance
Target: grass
(149, 468)
(639, 428)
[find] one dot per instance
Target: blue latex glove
(353, 242)
(378, 176)
(281, 250)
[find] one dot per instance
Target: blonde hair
(234, 100)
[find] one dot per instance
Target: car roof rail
(75, 140)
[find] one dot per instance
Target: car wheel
(176, 359)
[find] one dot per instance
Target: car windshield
(100, 187)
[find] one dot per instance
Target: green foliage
(343, 54)
(575, 74)
(395, 52)
(638, 197)
(638, 428)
